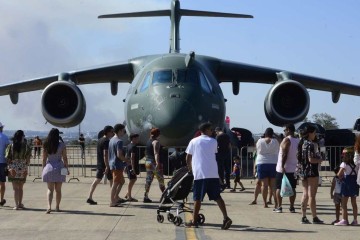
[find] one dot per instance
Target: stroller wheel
(177, 221)
(160, 218)
(201, 218)
(170, 217)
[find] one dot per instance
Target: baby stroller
(178, 188)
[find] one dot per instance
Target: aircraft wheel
(201, 218)
(160, 218)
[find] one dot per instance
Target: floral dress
(18, 162)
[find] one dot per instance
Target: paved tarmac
(137, 220)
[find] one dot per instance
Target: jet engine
(63, 104)
(287, 101)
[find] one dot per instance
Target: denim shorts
(209, 186)
(266, 171)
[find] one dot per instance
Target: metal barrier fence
(330, 154)
(86, 166)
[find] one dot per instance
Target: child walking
(236, 173)
(349, 188)
(335, 194)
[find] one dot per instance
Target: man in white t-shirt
(200, 159)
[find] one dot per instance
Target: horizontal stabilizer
(159, 13)
(195, 13)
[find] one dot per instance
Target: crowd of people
(207, 157)
(298, 159)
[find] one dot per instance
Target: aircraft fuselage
(173, 97)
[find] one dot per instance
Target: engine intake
(287, 101)
(63, 104)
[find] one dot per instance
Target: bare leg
(58, 195)
(93, 187)
(16, 193)
(354, 206)
(130, 186)
(344, 201)
(264, 190)
(305, 197)
(21, 193)
(312, 188)
(50, 193)
(2, 190)
(220, 202)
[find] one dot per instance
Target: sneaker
(147, 200)
(278, 210)
(354, 223)
(316, 220)
(91, 202)
(342, 223)
(335, 221)
(2, 203)
(304, 220)
(292, 209)
(226, 223)
(191, 224)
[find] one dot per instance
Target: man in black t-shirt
(133, 169)
(223, 157)
(102, 162)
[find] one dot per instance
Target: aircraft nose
(176, 118)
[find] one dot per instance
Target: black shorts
(209, 186)
(3, 169)
(130, 173)
(100, 174)
(290, 176)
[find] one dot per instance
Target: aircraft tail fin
(175, 14)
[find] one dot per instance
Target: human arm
(189, 161)
(156, 147)
(285, 146)
(332, 188)
(45, 156)
(341, 172)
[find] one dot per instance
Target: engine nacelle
(63, 104)
(287, 101)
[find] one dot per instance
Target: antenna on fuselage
(175, 14)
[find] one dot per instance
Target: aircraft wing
(229, 71)
(119, 72)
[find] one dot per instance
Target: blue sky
(39, 37)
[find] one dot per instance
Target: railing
(86, 166)
(330, 154)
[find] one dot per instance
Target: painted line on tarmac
(190, 233)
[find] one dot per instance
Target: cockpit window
(160, 77)
(205, 84)
(146, 82)
(187, 76)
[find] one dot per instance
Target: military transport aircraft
(175, 91)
